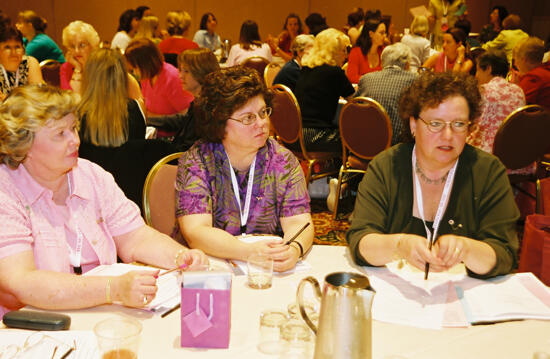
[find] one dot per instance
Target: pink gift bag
(205, 316)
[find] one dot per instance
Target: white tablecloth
(161, 336)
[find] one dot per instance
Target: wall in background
(103, 14)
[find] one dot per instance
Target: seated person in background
(39, 45)
(365, 57)
(18, 69)
(466, 26)
(321, 84)
(418, 43)
(437, 187)
(315, 23)
(62, 215)
(160, 81)
(127, 27)
(249, 45)
(455, 54)
(493, 28)
(355, 23)
(290, 72)
(534, 75)
(500, 99)
(206, 36)
(149, 29)
(281, 45)
(177, 25)
(508, 38)
(386, 86)
(237, 180)
(194, 65)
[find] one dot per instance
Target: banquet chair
(50, 72)
(271, 70)
(365, 130)
(159, 195)
(523, 138)
(543, 196)
(286, 120)
(257, 63)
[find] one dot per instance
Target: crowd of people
(74, 157)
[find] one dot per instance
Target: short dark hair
(204, 20)
(11, 33)
(316, 23)
(356, 17)
(497, 61)
(39, 24)
(125, 20)
(465, 25)
(431, 89)
(502, 13)
(140, 10)
(223, 93)
(146, 56)
(373, 14)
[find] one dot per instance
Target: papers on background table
(168, 293)
(454, 300)
(84, 342)
(241, 268)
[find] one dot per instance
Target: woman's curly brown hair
(223, 93)
(431, 89)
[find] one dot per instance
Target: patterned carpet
(328, 231)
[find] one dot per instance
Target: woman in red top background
(365, 57)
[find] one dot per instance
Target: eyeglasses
(436, 126)
(80, 46)
(38, 344)
(249, 118)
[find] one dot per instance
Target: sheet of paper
(84, 342)
(518, 296)
(168, 294)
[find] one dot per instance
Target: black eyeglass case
(34, 320)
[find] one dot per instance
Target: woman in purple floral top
(233, 124)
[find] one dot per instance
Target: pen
(174, 308)
(297, 234)
(182, 267)
(427, 265)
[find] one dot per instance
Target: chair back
(271, 70)
(172, 59)
(159, 195)
(286, 118)
(543, 196)
(523, 137)
(365, 128)
(50, 72)
(257, 63)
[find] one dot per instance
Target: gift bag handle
(197, 307)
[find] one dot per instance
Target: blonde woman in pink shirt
(62, 215)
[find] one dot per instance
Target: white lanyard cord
(75, 256)
(442, 202)
(243, 213)
(7, 78)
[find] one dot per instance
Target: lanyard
(8, 85)
(442, 202)
(243, 213)
(76, 255)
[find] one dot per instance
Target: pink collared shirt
(31, 221)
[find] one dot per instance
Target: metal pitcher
(345, 329)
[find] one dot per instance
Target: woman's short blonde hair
(420, 26)
(147, 27)
(325, 48)
(80, 28)
(27, 110)
(177, 22)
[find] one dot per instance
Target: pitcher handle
(300, 298)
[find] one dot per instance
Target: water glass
(118, 338)
(260, 271)
(271, 322)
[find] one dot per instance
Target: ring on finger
(144, 299)
(457, 251)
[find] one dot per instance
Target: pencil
(174, 269)
(173, 309)
(297, 234)
(427, 265)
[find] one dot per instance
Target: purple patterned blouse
(203, 185)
